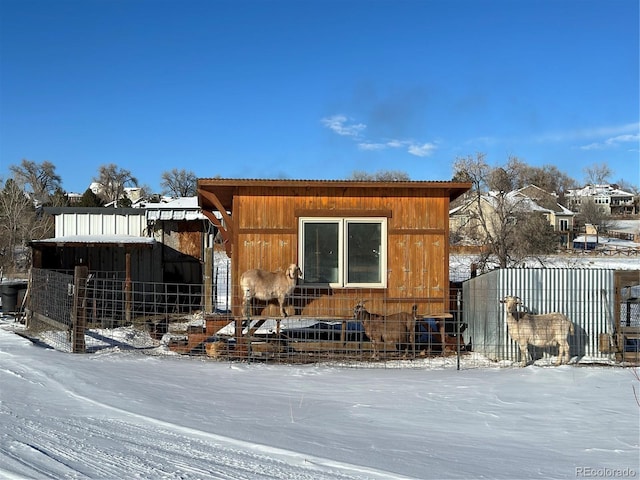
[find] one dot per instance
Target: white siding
(69, 224)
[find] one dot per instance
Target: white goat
(545, 330)
(267, 286)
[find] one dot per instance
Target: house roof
(599, 190)
(226, 188)
(102, 240)
(183, 208)
(522, 200)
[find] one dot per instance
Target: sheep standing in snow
(547, 330)
(268, 286)
(397, 328)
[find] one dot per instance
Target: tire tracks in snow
(116, 442)
(281, 463)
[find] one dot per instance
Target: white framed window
(344, 252)
(564, 224)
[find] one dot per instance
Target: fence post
(127, 288)
(458, 320)
(78, 311)
(208, 280)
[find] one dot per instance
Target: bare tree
(40, 178)
(534, 236)
(500, 180)
(593, 214)
(498, 218)
(547, 177)
(380, 176)
(597, 174)
(627, 186)
(113, 181)
(19, 223)
(179, 183)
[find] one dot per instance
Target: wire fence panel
(51, 294)
(114, 301)
(345, 328)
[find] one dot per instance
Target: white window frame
(563, 224)
(342, 223)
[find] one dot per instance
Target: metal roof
(226, 188)
(105, 240)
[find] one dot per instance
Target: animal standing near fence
(396, 329)
(267, 286)
(545, 330)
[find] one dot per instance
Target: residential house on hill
(464, 218)
(609, 198)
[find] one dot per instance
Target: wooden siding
(260, 219)
(266, 236)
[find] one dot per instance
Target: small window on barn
(344, 252)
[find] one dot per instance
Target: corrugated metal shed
(99, 221)
(584, 295)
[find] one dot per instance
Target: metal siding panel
(59, 225)
(575, 292)
(121, 224)
(95, 224)
(82, 224)
(67, 226)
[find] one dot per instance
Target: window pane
(363, 253)
(320, 252)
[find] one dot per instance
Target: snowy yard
(146, 413)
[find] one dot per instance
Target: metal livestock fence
(73, 312)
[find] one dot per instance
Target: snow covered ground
(460, 265)
(146, 413)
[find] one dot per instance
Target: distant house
(464, 218)
(561, 218)
(609, 199)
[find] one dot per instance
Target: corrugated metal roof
(184, 208)
(96, 240)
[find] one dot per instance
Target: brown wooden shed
(383, 242)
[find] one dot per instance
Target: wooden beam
(226, 235)
(211, 197)
(226, 229)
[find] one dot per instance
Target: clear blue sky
(309, 89)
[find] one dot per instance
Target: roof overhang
(95, 241)
(226, 188)
(215, 195)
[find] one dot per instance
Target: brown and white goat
(547, 330)
(268, 286)
(397, 328)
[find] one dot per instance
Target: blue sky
(317, 89)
